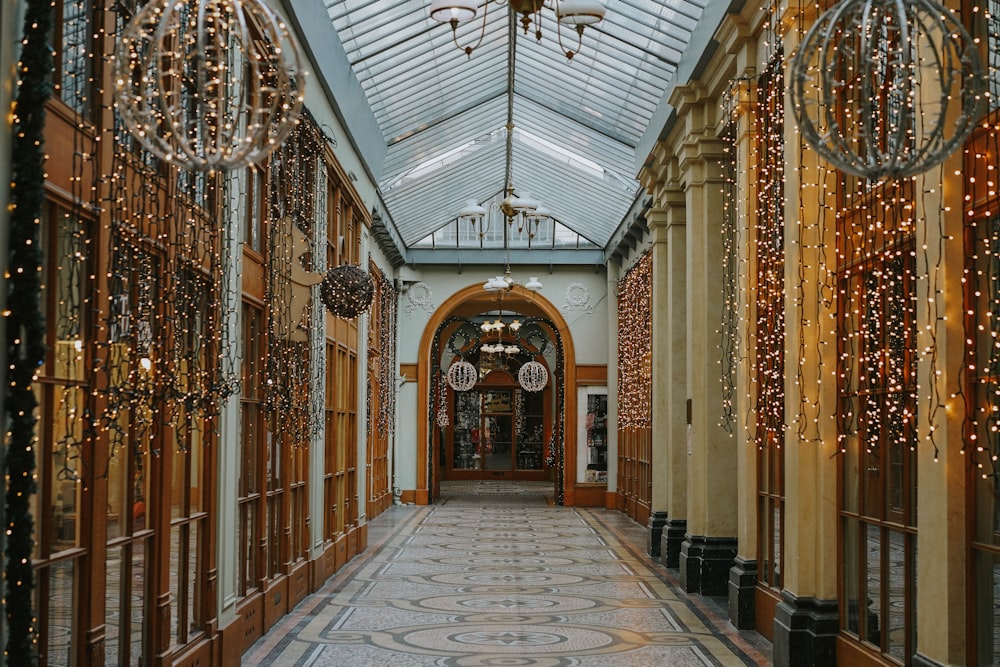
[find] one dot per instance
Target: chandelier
(506, 283)
(577, 14)
(523, 214)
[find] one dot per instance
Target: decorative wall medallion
(419, 295)
(578, 298)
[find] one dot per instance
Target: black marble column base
(705, 563)
(742, 593)
(805, 632)
(671, 539)
(921, 661)
(656, 523)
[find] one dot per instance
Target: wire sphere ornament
(462, 376)
(347, 291)
(886, 88)
(532, 376)
(208, 84)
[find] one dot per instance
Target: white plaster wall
(319, 106)
(405, 445)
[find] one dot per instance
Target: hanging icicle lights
(635, 352)
(769, 246)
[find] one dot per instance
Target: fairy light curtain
(769, 247)
(876, 283)
(729, 332)
(290, 219)
(981, 365)
(635, 352)
(979, 376)
(164, 347)
(980, 371)
(381, 390)
(386, 331)
(635, 387)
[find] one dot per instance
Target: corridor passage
(494, 575)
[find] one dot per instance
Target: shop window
(62, 390)
(249, 498)
(877, 423)
(72, 39)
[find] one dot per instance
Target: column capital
(701, 159)
(660, 172)
(661, 220)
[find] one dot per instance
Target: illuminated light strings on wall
(635, 351)
(383, 327)
(732, 220)
(860, 238)
(768, 366)
(979, 378)
(293, 211)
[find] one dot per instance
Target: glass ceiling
(576, 124)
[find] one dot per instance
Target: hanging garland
(25, 326)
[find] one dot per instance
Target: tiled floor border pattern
(493, 576)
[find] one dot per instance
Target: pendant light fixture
(577, 14)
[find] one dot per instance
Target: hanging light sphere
(462, 376)
(533, 376)
(347, 291)
(886, 88)
(208, 84)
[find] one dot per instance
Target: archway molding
(468, 302)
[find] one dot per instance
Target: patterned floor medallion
(495, 576)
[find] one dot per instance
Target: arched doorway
(499, 408)
(439, 448)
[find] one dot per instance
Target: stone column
(667, 521)
(743, 574)
(942, 475)
(806, 620)
(710, 541)
(614, 274)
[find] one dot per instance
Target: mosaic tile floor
(496, 576)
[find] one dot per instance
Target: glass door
(498, 430)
